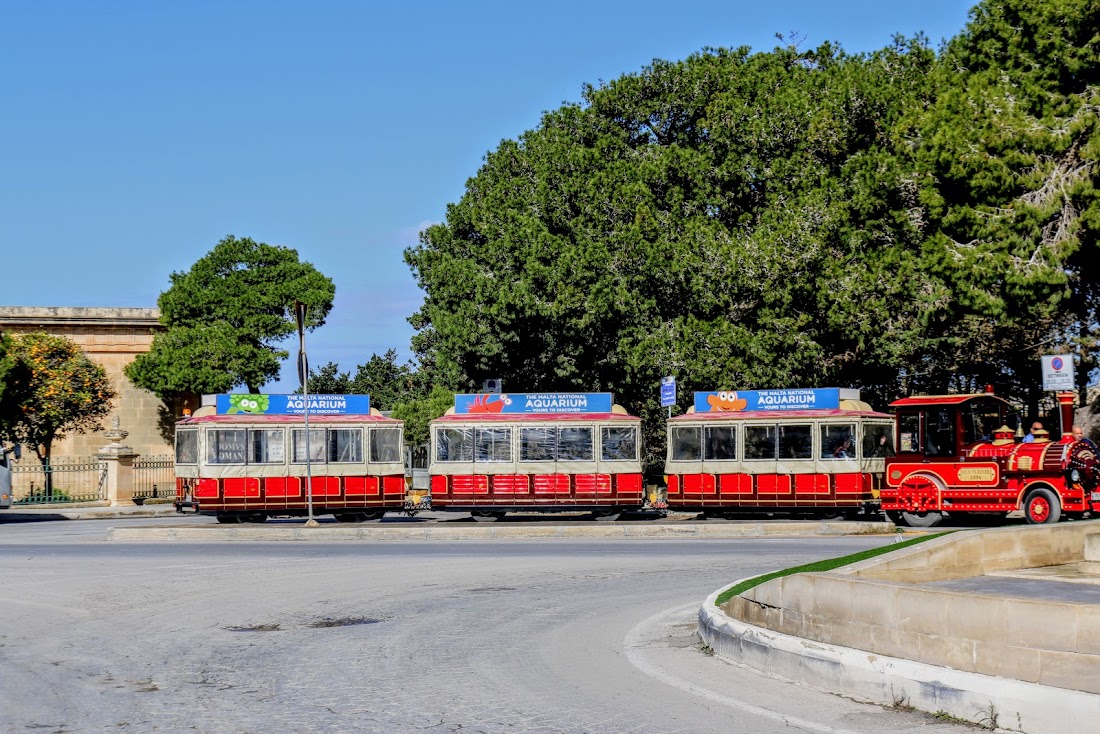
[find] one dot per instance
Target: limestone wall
(112, 337)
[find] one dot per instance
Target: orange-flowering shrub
(55, 390)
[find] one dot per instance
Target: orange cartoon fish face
(489, 404)
(726, 400)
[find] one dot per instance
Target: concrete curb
(41, 514)
(438, 531)
(1004, 703)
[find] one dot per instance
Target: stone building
(112, 337)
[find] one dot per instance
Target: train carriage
(815, 451)
(536, 452)
(248, 464)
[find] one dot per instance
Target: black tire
(350, 517)
(373, 516)
(226, 519)
(1041, 507)
(922, 519)
(255, 517)
(487, 516)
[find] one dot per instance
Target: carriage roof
(782, 415)
(267, 420)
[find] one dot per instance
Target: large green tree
(1008, 153)
(895, 221)
(56, 391)
(731, 219)
(226, 317)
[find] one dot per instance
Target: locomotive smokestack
(1065, 408)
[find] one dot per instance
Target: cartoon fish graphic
(726, 400)
(487, 404)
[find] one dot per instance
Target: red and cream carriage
(536, 452)
(807, 451)
(245, 459)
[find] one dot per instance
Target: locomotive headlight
(1075, 476)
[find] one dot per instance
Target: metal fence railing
(64, 480)
(154, 478)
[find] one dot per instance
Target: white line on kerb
(635, 643)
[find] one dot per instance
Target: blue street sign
(668, 391)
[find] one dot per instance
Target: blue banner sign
(535, 402)
(668, 391)
(246, 404)
(821, 398)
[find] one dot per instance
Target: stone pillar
(120, 466)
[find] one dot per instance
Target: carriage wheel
(1041, 507)
(488, 516)
(922, 519)
(226, 518)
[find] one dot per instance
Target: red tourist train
(245, 459)
(956, 454)
(819, 452)
(543, 452)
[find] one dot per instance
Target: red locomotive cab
(957, 455)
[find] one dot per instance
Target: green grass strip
(827, 565)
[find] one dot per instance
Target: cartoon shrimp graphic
(486, 404)
(726, 400)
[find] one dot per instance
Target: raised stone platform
(948, 605)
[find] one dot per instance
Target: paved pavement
(520, 637)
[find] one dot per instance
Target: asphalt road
(526, 636)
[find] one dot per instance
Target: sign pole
(303, 375)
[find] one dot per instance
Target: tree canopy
(226, 316)
(895, 221)
(54, 390)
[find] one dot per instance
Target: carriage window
(454, 444)
(537, 444)
(685, 444)
(316, 445)
(226, 446)
(575, 444)
(838, 441)
(760, 442)
(939, 433)
(385, 445)
(796, 442)
(187, 447)
(878, 440)
(265, 446)
(344, 445)
(979, 419)
(908, 433)
(619, 443)
(720, 443)
(493, 444)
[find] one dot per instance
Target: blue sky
(135, 135)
